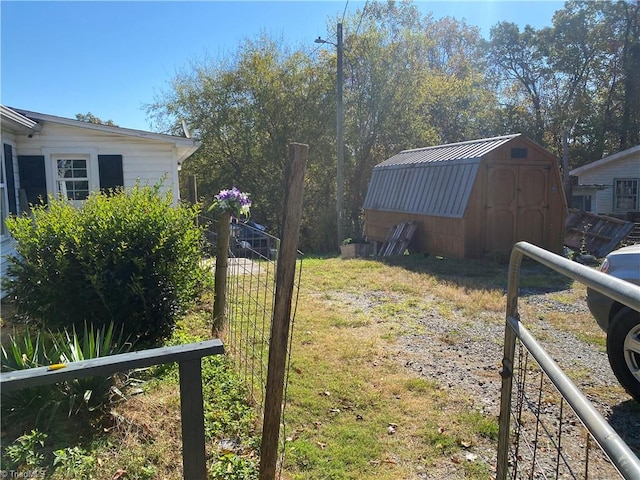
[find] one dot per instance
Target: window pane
(73, 175)
(626, 195)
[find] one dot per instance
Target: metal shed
(471, 198)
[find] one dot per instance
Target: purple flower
(232, 201)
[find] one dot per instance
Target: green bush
(130, 258)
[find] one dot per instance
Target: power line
(364, 9)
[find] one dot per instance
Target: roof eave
(161, 137)
(15, 121)
(186, 152)
(604, 161)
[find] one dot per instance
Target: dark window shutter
(10, 181)
(33, 179)
(110, 170)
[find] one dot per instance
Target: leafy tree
(91, 118)
(580, 76)
(246, 112)
(409, 81)
(521, 66)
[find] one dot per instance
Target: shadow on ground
(625, 419)
(487, 273)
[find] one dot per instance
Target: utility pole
(340, 140)
(339, 134)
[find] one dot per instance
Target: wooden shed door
(516, 206)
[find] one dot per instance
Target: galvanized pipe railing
(626, 293)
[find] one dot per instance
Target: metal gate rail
(626, 293)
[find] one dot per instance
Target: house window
(581, 202)
(73, 178)
(625, 195)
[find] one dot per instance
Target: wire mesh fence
(251, 287)
(548, 439)
(249, 309)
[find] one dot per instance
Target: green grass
(354, 410)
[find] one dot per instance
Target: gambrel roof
(430, 181)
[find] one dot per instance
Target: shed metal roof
(430, 181)
(452, 152)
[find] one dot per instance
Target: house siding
(627, 167)
(143, 160)
(146, 157)
(7, 245)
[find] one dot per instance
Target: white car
(621, 323)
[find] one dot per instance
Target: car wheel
(623, 350)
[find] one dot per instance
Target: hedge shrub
(130, 258)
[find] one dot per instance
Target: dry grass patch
(354, 409)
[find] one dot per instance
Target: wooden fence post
(194, 460)
(285, 277)
(222, 261)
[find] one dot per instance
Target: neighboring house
(471, 198)
(610, 186)
(45, 155)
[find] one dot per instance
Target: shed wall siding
(448, 198)
(628, 167)
(145, 160)
(433, 235)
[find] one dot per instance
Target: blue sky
(112, 58)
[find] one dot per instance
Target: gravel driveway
(469, 353)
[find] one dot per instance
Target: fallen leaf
(441, 430)
(455, 459)
(471, 457)
(334, 410)
(466, 444)
(391, 430)
(321, 445)
(359, 417)
(120, 473)
(325, 393)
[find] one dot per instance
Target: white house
(610, 186)
(45, 155)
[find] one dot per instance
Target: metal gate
(531, 447)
